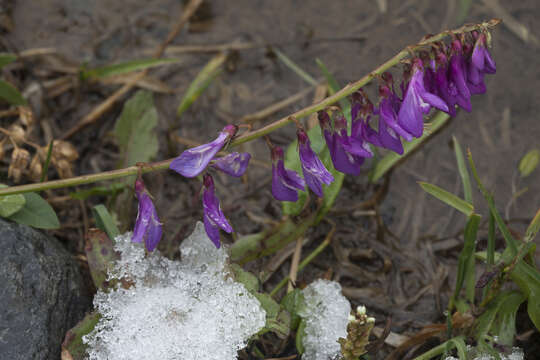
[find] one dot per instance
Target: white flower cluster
(188, 309)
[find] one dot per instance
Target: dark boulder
(42, 293)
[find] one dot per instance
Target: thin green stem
(346, 91)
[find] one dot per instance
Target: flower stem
(164, 164)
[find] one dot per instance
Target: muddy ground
(411, 240)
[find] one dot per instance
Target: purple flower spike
(285, 183)
(416, 102)
(193, 161)
(233, 164)
(147, 225)
(314, 171)
(213, 216)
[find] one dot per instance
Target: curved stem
(164, 164)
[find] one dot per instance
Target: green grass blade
(201, 82)
(511, 243)
(463, 172)
(47, 162)
(392, 159)
(124, 67)
(465, 271)
(105, 222)
(295, 68)
(533, 228)
(448, 198)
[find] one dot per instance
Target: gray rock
(42, 294)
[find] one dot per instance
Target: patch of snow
(188, 309)
(516, 354)
(326, 315)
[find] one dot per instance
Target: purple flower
(457, 77)
(481, 58)
(314, 171)
(389, 129)
(193, 161)
(416, 102)
(147, 225)
(234, 164)
(335, 139)
(285, 183)
(213, 216)
(478, 65)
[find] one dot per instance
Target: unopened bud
(35, 168)
(361, 310)
(19, 161)
(26, 116)
(17, 134)
(64, 150)
(64, 168)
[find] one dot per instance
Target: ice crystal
(516, 354)
(188, 309)
(326, 314)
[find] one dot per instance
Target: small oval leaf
(10, 94)
(529, 162)
(36, 212)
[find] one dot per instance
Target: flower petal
(314, 171)
(211, 205)
(212, 230)
(233, 164)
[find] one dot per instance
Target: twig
(95, 114)
(294, 264)
(308, 259)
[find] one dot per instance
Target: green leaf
(278, 320)
(73, 347)
(10, 94)
(108, 190)
(104, 221)
(203, 79)
(6, 58)
(246, 278)
(125, 67)
(465, 271)
(499, 318)
(10, 204)
(392, 159)
(100, 254)
(463, 172)
(529, 162)
(461, 347)
(295, 68)
(36, 212)
(528, 280)
(299, 340)
(293, 302)
(134, 129)
(448, 198)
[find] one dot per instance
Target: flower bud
(19, 162)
